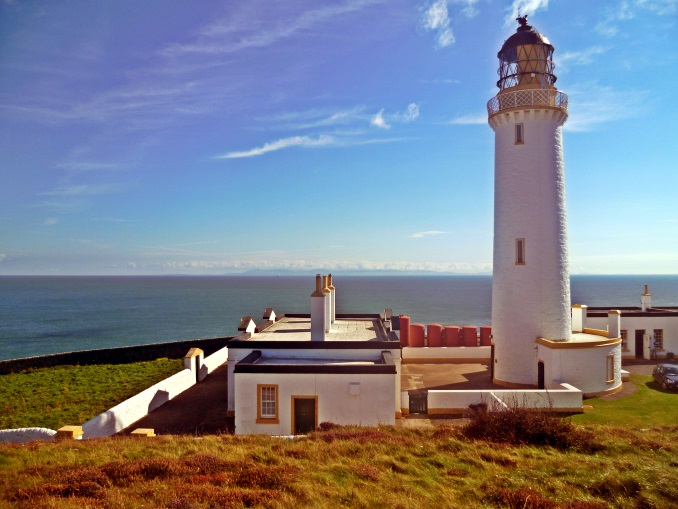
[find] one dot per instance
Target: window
(658, 339)
(610, 368)
(520, 251)
(520, 134)
(625, 340)
(267, 404)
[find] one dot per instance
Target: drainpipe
(318, 312)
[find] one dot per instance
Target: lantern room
(526, 59)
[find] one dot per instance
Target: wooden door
(304, 415)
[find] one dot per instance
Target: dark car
(666, 375)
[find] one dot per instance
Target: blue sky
(164, 137)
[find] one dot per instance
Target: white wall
(373, 406)
(565, 397)
(130, 411)
(648, 323)
(212, 362)
(583, 368)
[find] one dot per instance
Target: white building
(291, 375)
(647, 332)
(534, 342)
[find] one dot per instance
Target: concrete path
(200, 410)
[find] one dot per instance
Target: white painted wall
(585, 368)
(25, 435)
(564, 397)
(632, 323)
(531, 300)
(212, 362)
(130, 411)
(373, 406)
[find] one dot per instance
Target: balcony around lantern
(537, 98)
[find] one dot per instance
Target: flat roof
(298, 328)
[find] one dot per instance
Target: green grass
(54, 397)
(344, 467)
(648, 406)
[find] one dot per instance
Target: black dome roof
(525, 34)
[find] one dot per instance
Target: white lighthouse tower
(531, 280)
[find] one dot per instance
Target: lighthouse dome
(525, 34)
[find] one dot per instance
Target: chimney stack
(318, 312)
(646, 300)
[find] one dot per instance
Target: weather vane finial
(522, 20)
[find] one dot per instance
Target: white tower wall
(529, 300)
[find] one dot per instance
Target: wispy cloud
(575, 58)
(384, 121)
(428, 233)
(3, 257)
(51, 221)
(436, 19)
(225, 37)
(524, 8)
(471, 119)
(379, 121)
(294, 141)
(592, 105)
(626, 10)
(83, 190)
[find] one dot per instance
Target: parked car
(666, 375)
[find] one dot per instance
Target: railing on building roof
(529, 97)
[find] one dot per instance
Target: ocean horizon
(41, 315)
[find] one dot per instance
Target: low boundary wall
(131, 410)
(564, 399)
(212, 362)
(119, 355)
(445, 354)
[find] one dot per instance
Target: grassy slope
(54, 397)
(386, 467)
(636, 465)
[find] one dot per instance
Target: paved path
(200, 410)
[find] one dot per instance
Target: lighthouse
(531, 280)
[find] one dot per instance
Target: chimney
(318, 312)
(333, 300)
(328, 304)
(614, 323)
(646, 300)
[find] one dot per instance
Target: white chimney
(614, 323)
(646, 300)
(318, 312)
(578, 317)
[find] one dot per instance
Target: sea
(42, 315)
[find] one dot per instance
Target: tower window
(609, 371)
(520, 251)
(520, 134)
